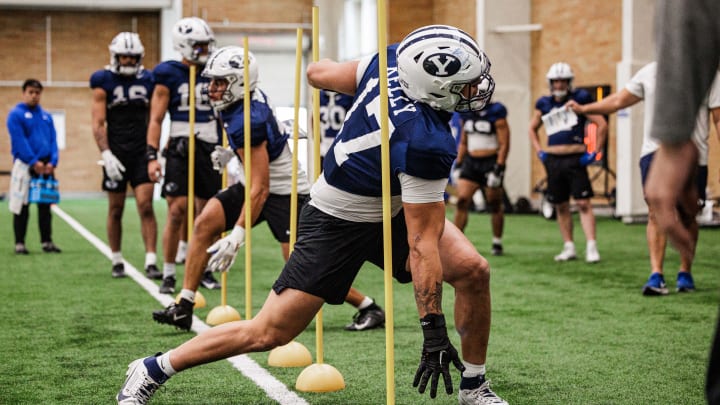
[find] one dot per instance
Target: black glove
(437, 354)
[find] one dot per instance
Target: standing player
(483, 150)
(194, 39)
(434, 70)
(270, 189)
(642, 87)
(333, 108)
(121, 97)
(566, 157)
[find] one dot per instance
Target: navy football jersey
(421, 143)
(127, 108)
(481, 124)
(333, 108)
(263, 125)
(574, 135)
(176, 77)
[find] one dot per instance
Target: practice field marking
(274, 388)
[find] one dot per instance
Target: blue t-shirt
(263, 125)
(176, 77)
(127, 104)
(574, 135)
(421, 143)
(32, 134)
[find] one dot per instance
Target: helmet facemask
(126, 44)
(227, 64)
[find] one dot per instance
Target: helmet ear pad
(435, 63)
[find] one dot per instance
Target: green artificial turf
(562, 333)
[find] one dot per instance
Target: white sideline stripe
(274, 388)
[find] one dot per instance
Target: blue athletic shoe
(685, 282)
(655, 285)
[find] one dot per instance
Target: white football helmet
(126, 43)
(187, 34)
(560, 71)
(227, 63)
(436, 63)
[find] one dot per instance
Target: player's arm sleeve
(361, 68)
(19, 141)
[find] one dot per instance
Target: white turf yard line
(248, 367)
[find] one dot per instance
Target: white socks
(150, 258)
(366, 302)
(168, 270)
(116, 258)
(164, 363)
(473, 370)
(188, 295)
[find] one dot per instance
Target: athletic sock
(188, 295)
(116, 258)
(497, 241)
(473, 370)
(150, 258)
(168, 270)
(366, 302)
(163, 361)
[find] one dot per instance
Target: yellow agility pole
(191, 155)
(248, 175)
(293, 354)
(317, 377)
(223, 313)
(387, 209)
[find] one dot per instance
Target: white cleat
(482, 395)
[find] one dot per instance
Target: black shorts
(565, 177)
(207, 180)
(136, 173)
(477, 169)
(276, 210)
(330, 251)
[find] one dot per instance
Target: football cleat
(369, 318)
(168, 285)
(481, 395)
(153, 273)
(568, 253)
(655, 285)
(118, 270)
(180, 315)
(144, 377)
(49, 247)
(685, 282)
(209, 282)
(497, 249)
(591, 253)
(20, 249)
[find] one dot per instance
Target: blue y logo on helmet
(441, 64)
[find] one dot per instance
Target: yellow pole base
(293, 354)
(222, 314)
(320, 378)
(199, 300)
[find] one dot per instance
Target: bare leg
(564, 220)
(281, 318)
(116, 206)
(177, 210)
(208, 228)
(587, 218)
(497, 211)
(656, 244)
(148, 224)
(465, 189)
(469, 273)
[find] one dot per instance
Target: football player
(120, 107)
(565, 158)
(271, 184)
(194, 39)
(642, 87)
(333, 108)
(433, 71)
(483, 150)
